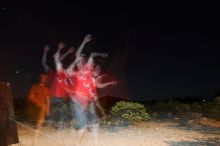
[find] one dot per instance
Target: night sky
(160, 49)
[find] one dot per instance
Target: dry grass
(149, 133)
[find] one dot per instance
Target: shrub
(195, 107)
(129, 112)
(181, 108)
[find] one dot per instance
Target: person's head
(61, 45)
(97, 71)
(43, 79)
(81, 62)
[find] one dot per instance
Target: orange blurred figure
(38, 101)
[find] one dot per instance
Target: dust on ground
(149, 133)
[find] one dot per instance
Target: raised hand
(56, 55)
(46, 48)
(87, 38)
(61, 45)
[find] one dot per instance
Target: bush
(196, 108)
(181, 108)
(129, 112)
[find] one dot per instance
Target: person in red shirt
(84, 88)
(51, 73)
(56, 82)
(83, 92)
(58, 95)
(84, 95)
(61, 81)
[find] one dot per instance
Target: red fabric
(84, 89)
(73, 81)
(59, 85)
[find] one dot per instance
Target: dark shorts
(58, 109)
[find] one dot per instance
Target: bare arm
(98, 105)
(104, 85)
(93, 55)
(71, 50)
(32, 96)
(57, 60)
(87, 38)
(72, 65)
(44, 59)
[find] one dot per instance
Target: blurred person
(38, 97)
(61, 81)
(97, 79)
(47, 69)
(38, 103)
(84, 94)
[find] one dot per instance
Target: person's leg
(80, 116)
(64, 113)
(93, 120)
(52, 108)
(60, 113)
(80, 123)
(39, 122)
(55, 107)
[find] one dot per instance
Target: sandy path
(149, 133)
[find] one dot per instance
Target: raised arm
(57, 60)
(71, 50)
(44, 59)
(87, 39)
(93, 55)
(104, 85)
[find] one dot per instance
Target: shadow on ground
(184, 124)
(196, 142)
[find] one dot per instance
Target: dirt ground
(150, 133)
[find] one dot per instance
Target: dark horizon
(172, 49)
